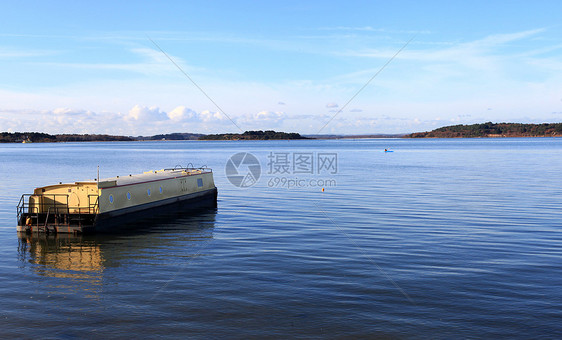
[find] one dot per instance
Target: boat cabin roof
(150, 176)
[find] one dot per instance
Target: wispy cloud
(500, 58)
(371, 29)
(351, 28)
(151, 62)
(11, 52)
(458, 50)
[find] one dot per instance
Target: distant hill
(490, 129)
(396, 135)
(254, 135)
(38, 137)
(173, 136)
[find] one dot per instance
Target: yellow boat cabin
(105, 204)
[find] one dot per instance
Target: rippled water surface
(438, 239)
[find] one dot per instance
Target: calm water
(439, 239)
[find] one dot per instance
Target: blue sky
(77, 67)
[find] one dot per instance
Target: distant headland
(490, 129)
(254, 135)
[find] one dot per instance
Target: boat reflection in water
(83, 260)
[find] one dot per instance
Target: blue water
(439, 239)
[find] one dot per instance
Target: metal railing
(45, 205)
(203, 168)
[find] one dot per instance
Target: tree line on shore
(39, 137)
(254, 135)
(490, 129)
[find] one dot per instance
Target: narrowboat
(102, 205)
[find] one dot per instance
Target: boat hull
(117, 220)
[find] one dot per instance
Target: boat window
(200, 182)
(128, 195)
(160, 189)
(148, 192)
(111, 199)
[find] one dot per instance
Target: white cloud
(182, 113)
(269, 116)
(59, 120)
(145, 114)
(139, 120)
(332, 105)
(264, 120)
(68, 111)
(212, 116)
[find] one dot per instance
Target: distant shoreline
(249, 140)
(484, 130)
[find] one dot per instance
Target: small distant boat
(102, 205)
(385, 150)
